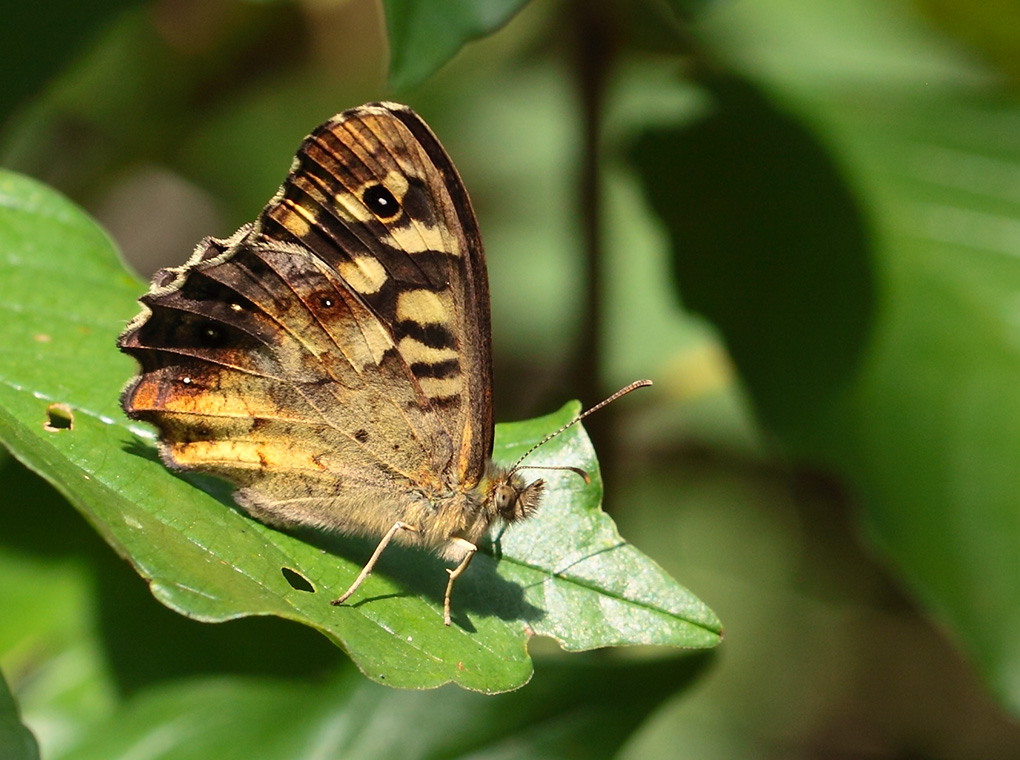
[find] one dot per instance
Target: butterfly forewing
(374, 195)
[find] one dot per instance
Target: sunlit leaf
(65, 297)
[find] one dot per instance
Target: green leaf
(857, 248)
(585, 709)
(424, 36)
(931, 425)
(567, 574)
(784, 269)
(16, 741)
(581, 701)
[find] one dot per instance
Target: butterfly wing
(374, 195)
(333, 360)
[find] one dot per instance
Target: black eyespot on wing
(381, 202)
(200, 287)
(210, 335)
(170, 328)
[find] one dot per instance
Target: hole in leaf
(58, 417)
(296, 580)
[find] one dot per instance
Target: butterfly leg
(367, 569)
(469, 550)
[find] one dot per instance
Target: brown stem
(594, 49)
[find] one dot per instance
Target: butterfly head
(511, 500)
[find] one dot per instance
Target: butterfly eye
(504, 499)
(381, 202)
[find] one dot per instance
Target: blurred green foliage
(16, 741)
(808, 216)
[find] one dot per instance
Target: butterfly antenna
(622, 392)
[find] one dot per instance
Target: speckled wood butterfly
(333, 359)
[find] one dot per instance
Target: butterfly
(333, 360)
